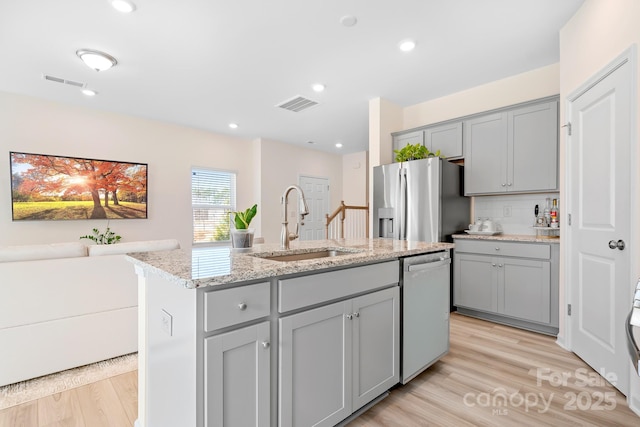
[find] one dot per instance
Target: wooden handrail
(342, 210)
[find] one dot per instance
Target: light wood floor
(485, 361)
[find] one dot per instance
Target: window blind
(213, 196)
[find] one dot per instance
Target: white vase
(242, 238)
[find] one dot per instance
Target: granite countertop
(510, 237)
(210, 266)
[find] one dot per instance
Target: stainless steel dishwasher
(425, 308)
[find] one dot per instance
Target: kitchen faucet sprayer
(285, 235)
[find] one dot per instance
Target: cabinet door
(475, 282)
(485, 154)
(447, 138)
(533, 148)
(315, 367)
(401, 141)
(376, 344)
(237, 378)
(524, 289)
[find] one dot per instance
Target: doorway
(316, 191)
(600, 201)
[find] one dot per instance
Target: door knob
(266, 344)
(617, 245)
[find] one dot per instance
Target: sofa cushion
(47, 251)
(140, 246)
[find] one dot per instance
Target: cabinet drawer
(502, 248)
(314, 289)
(236, 305)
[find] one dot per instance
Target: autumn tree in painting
(66, 178)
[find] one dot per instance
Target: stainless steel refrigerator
(420, 200)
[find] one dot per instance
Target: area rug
(26, 391)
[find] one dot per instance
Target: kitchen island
(208, 318)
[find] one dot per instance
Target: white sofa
(67, 305)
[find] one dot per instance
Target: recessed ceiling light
(348, 20)
(310, 142)
(96, 60)
(89, 92)
(124, 6)
(407, 45)
(318, 87)
(233, 125)
(338, 145)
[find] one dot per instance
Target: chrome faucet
(303, 209)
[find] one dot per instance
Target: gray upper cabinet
(515, 150)
(533, 141)
(447, 138)
(401, 141)
(485, 157)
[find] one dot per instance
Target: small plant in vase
(242, 235)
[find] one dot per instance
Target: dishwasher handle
(429, 265)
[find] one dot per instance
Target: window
(213, 196)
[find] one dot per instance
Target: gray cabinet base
(509, 321)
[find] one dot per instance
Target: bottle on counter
(547, 213)
(554, 214)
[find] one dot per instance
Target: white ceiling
(205, 63)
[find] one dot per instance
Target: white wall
(282, 165)
(264, 168)
(355, 178)
(534, 84)
(43, 127)
(599, 32)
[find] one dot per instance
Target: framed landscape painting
(45, 187)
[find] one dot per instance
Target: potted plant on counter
(242, 235)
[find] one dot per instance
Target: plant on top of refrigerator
(414, 152)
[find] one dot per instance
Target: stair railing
(356, 224)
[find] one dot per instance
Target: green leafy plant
(106, 238)
(243, 219)
(414, 152)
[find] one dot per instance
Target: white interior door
(316, 191)
(599, 198)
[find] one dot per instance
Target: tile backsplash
(520, 206)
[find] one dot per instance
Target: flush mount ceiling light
(338, 145)
(124, 6)
(233, 125)
(89, 92)
(407, 45)
(318, 87)
(96, 60)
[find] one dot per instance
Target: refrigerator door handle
(403, 205)
(632, 346)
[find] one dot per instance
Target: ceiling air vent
(297, 104)
(63, 81)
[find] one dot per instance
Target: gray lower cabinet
(237, 377)
(514, 283)
(335, 359)
(514, 150)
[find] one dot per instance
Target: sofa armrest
(37, 252)
(140, 246)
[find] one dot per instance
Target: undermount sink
(324, 253)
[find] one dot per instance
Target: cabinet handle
(349, 316)
(500, 265)
(356, 314)
(509, 184)
(242, 306)
(493, 264)
(266, 344)
(497, 248)
(504, 185)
